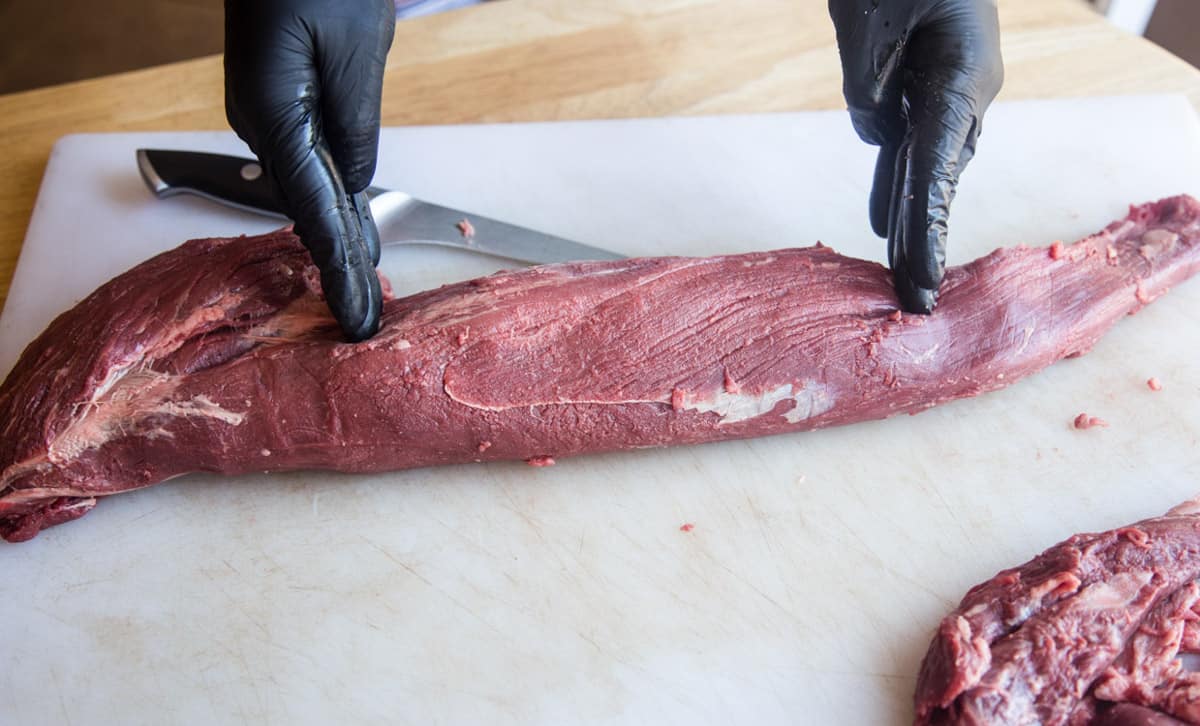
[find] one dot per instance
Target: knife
(402, 219)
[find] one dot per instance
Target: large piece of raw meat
(1088, 632)
(220, 356)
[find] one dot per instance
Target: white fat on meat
(811, 399)
(128, 401)
(1117, 593)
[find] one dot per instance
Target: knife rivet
(251, 171)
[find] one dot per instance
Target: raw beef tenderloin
(220, 356)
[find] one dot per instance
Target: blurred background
(86, 38)
(1172, 24)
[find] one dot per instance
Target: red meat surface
(220, 356)
(1088, 632)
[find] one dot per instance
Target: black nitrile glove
(918, 76)
(303, 80)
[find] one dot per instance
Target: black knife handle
(230, 180)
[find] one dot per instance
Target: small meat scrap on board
(466, 229)
(1084, 422)
(1089, 632)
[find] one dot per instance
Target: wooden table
(531, 60)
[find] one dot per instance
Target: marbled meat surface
(1088, 632)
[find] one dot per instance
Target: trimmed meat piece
(1097, 620)
(1084, 422)
(207, 356)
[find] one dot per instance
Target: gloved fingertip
(368, 324)
(355, 298)
(913, 298)
(348, 277)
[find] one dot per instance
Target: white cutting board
(819, 563)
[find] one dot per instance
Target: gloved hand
(918, 76)
(303, 80)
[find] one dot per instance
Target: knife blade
(402, 219)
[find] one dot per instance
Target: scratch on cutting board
(457, 533)
(238, 655)
(760, 518)
(668, 687)
(62, 701)
(308, 588)
(213, 700)
(156, 510)
(947, 603)
(553, 547)
(241, 708)
(399, 562)
(909, 677)
(591, 640)
(410, 570)
(298, 653)
(420, 689)
(646, 577)
(241, 608)
(520, 512)
(11, 690)
(863, 547)
(54, 616)
(85, 583)
(953, 514)
(746, 581)
(866, 550)
(275, 566)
